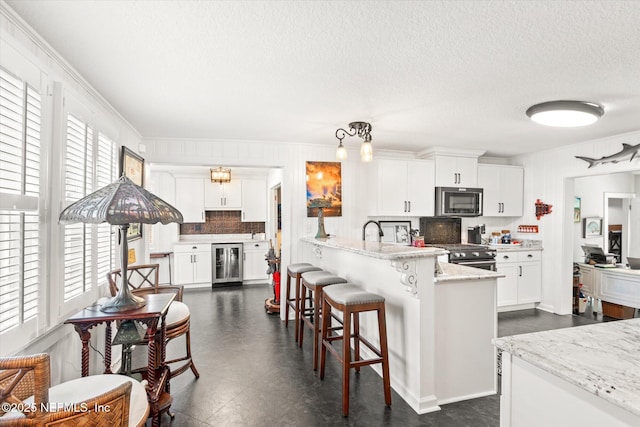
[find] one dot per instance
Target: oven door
(487, 264)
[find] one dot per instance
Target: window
(78, 182)
(89, 252)
(20, 237)
(106, 173)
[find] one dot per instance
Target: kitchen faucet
(364, 227)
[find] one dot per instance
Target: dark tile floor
(253, 374)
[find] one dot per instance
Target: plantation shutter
(20, 239)
(78, 183)
(106, 173)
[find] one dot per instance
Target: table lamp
(121, 203)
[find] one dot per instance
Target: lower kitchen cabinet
(192, 264)
(523, 278)
(589, 278)
(254, 263)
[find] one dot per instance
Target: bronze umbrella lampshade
(121, 203)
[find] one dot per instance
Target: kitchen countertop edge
(571, 354)
(375, 249)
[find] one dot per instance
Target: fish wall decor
(627, 151)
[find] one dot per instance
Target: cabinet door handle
(505, 257)
(405, 206)
(530, 256)
(520, 267)
(409, 203)
(244, 256)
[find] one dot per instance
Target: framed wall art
(324, 188)
(576, 209)
(592, 227)
(396, 232)
(132, 166)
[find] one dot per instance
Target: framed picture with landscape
(132, 166)
(398, 232)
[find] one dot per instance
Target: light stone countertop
(603, 358)
(620, 270)
(188, 239)
(456, 272)
(515, 248)
(376, 249)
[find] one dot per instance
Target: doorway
(276, 214)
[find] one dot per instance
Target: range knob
(476, 254)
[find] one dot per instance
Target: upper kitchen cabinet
(254, 200)
(456, 171)
(503, 189)
(190, 199)
(401, 188)
(227, 196)
(454, 167)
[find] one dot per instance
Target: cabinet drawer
(250, 246)
(192, 247)
(529, 256)
(506, 257)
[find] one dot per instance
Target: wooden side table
(151, 315)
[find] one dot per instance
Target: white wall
(24, 53)
(549, 176)
(591, 191)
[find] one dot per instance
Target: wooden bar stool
(312, 284)
(295, 271)
(353, 300)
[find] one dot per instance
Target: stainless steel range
(445, 232)
(479, 256)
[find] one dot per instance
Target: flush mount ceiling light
(220, 175)
(363, 130)
(565, 113)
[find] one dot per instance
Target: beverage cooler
(227, 264)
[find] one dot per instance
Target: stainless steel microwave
(458, 201)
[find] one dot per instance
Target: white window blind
(106, 173)
(20, 231)
(78, 182)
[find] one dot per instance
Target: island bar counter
(439, 328)
(585, 375)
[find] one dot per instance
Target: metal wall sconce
(363, 130)
(220, 175)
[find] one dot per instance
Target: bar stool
(295, 271)
(312, 284)
(353, 300)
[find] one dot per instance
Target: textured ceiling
(456, 74)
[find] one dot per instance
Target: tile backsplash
(222, 222)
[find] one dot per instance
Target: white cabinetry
(190, 198)
(254, 200)
(589, 277)
(401, 188)
(503, 189)
(618, 286)
(192, 264)
(254, 263)
(523, 277)
(227, 196)
(453, 171)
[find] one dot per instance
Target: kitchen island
(439, 326)
(586, 375)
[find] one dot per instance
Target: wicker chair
(143, 279)
(113, 400)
